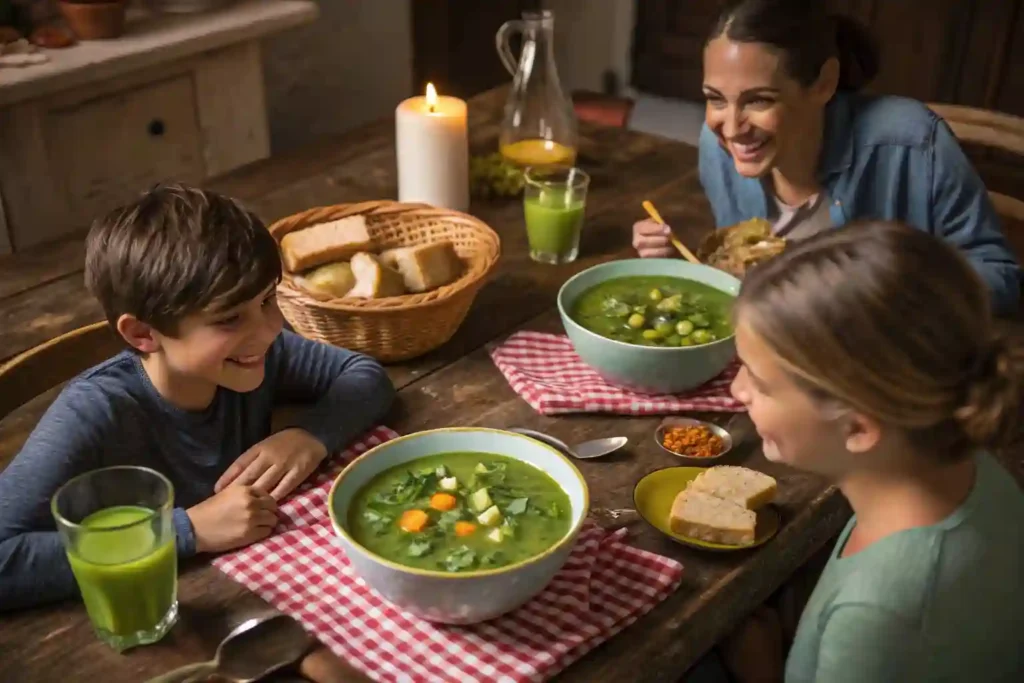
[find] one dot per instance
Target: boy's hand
(237, 516)
(277, 464)
(753, 653)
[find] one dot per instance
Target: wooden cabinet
(954, 51)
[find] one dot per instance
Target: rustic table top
(41, 295)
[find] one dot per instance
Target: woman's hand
(651, 239)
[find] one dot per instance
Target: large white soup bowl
(463, 597)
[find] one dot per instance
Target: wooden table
(41, 295)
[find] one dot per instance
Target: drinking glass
(554, 200)
(116, 526)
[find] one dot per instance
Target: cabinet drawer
(105, 151)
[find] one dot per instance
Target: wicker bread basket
(401, 327)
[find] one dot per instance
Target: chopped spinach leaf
(447, 520)
(419, 548)
(461, 558)
(495, 558)
(517, 506)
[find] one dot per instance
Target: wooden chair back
(998, 131)
(54, 362)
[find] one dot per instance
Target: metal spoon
(583, 451)
(254, 649)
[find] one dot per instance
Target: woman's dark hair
(806, 35)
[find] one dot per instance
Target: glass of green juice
(116, 526)
(554, 199)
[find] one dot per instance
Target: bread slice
(331, 279)
(325, 242)
(373, 279)
(706, 517)
(425, 266)
(745, 487)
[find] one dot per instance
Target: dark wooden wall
(962, 51)
(453, 43)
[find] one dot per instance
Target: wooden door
(453, 43)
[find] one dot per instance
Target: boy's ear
(862, 433)
(139, 335)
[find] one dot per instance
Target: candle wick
(431, 109)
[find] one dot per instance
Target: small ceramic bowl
(464, 597)
(647, 369)
(721, 432)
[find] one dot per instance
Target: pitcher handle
(501, 42)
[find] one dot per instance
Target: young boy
(187, 278)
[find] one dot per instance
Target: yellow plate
(654, 494)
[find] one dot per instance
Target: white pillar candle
(432, 146)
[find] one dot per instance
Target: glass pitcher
(539, 126)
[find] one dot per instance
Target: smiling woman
(788, 138)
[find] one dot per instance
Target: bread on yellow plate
(703, 516)
(425, 266)
(745, 487)
(325, 242)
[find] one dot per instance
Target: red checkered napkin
(546, 372)
(302, 571)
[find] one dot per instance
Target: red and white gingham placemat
(302, 571)
(546, 372)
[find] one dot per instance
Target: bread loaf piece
(745, 487)
(700, 515)
(425, 266)
(332, 279)
(325, 242)
(373, 279)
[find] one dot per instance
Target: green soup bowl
(648, 369)
(466, 597)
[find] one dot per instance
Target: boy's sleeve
(964, 216)
(866, 643)
(66, 442)
(347, 392)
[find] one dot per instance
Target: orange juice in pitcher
(539, 125)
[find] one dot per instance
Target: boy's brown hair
(177, 251)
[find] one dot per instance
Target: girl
(787, 138)
(870, 358)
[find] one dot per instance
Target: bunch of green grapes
(491, 176)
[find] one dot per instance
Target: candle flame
(431, 96)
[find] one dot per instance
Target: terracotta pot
(94, 20)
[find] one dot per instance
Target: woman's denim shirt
(887, 158)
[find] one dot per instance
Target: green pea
(698, 319)
(674, 340)
(672, 304)
(665, 327)
(636, 321)
(686, 341)
(684, 327)
(701, 337)
(655, 295)
(651, 335)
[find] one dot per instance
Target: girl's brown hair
(895, 324)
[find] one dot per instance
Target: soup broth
(458, 512)
(655, 311)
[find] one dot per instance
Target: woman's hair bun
(991, 414)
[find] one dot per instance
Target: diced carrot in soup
(443, 502)
(413, 521)
(464, 528)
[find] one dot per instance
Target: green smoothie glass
(117, 529)
(554, 199)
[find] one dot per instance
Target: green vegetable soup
(459, 512)
(655, 311)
